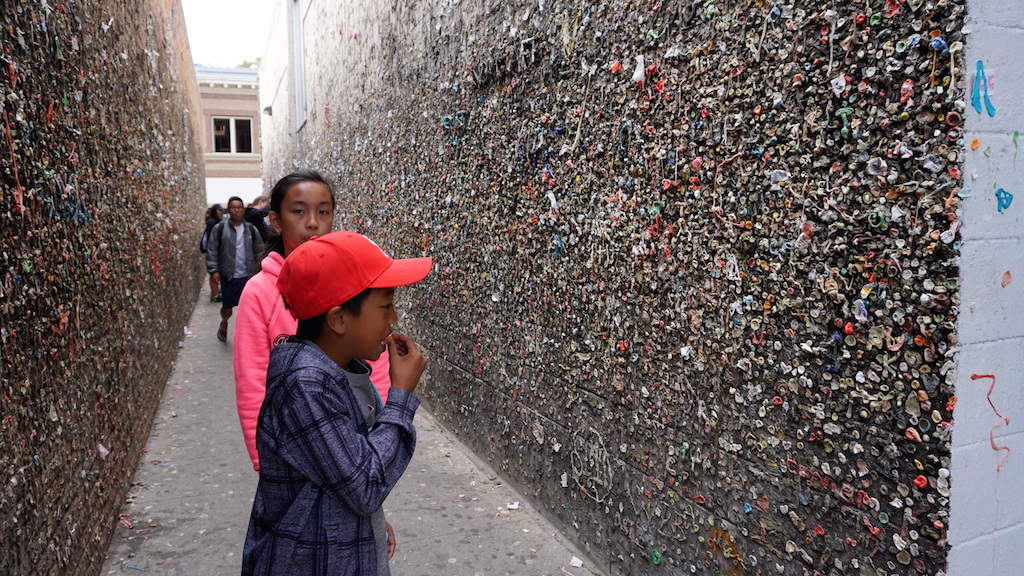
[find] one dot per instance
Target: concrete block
(992, 555)
(974, 415)
(990, 311)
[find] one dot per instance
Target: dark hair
(311, 328)
(233, 198)
(274, 241)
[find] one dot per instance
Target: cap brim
(403, 272)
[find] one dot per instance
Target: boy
(324, 474)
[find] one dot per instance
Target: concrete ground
(187, 510)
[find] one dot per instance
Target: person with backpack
(213, 216)
(233, 249)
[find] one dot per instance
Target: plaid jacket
(321, 474)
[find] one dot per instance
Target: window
(232, 135)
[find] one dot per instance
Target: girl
(301, 206)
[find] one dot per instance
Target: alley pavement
(187, 510)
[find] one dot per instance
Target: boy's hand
(407, 362)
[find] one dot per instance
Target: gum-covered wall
(101, 202)
(696, 282)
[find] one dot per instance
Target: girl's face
(306, 211)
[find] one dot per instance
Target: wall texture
(101, 203)
(697, 280)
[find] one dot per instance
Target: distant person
(256, 214)
(324, 471)
(214, 215)
(232, 250)
(301, 206)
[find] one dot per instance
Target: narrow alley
(188, 507)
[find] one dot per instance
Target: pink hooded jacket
(260, 319)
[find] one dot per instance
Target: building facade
(231, 132)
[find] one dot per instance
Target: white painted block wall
(986, 527)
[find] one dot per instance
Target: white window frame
(234, 131)
(298, 62)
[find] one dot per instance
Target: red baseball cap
(329, 270)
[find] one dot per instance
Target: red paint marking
(992, 430)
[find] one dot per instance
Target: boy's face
(366, 332)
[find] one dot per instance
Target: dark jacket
(210, 223)
(220, 250)
(255, 217)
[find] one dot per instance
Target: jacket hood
(271, 265)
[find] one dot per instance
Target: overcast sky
(225, 33)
